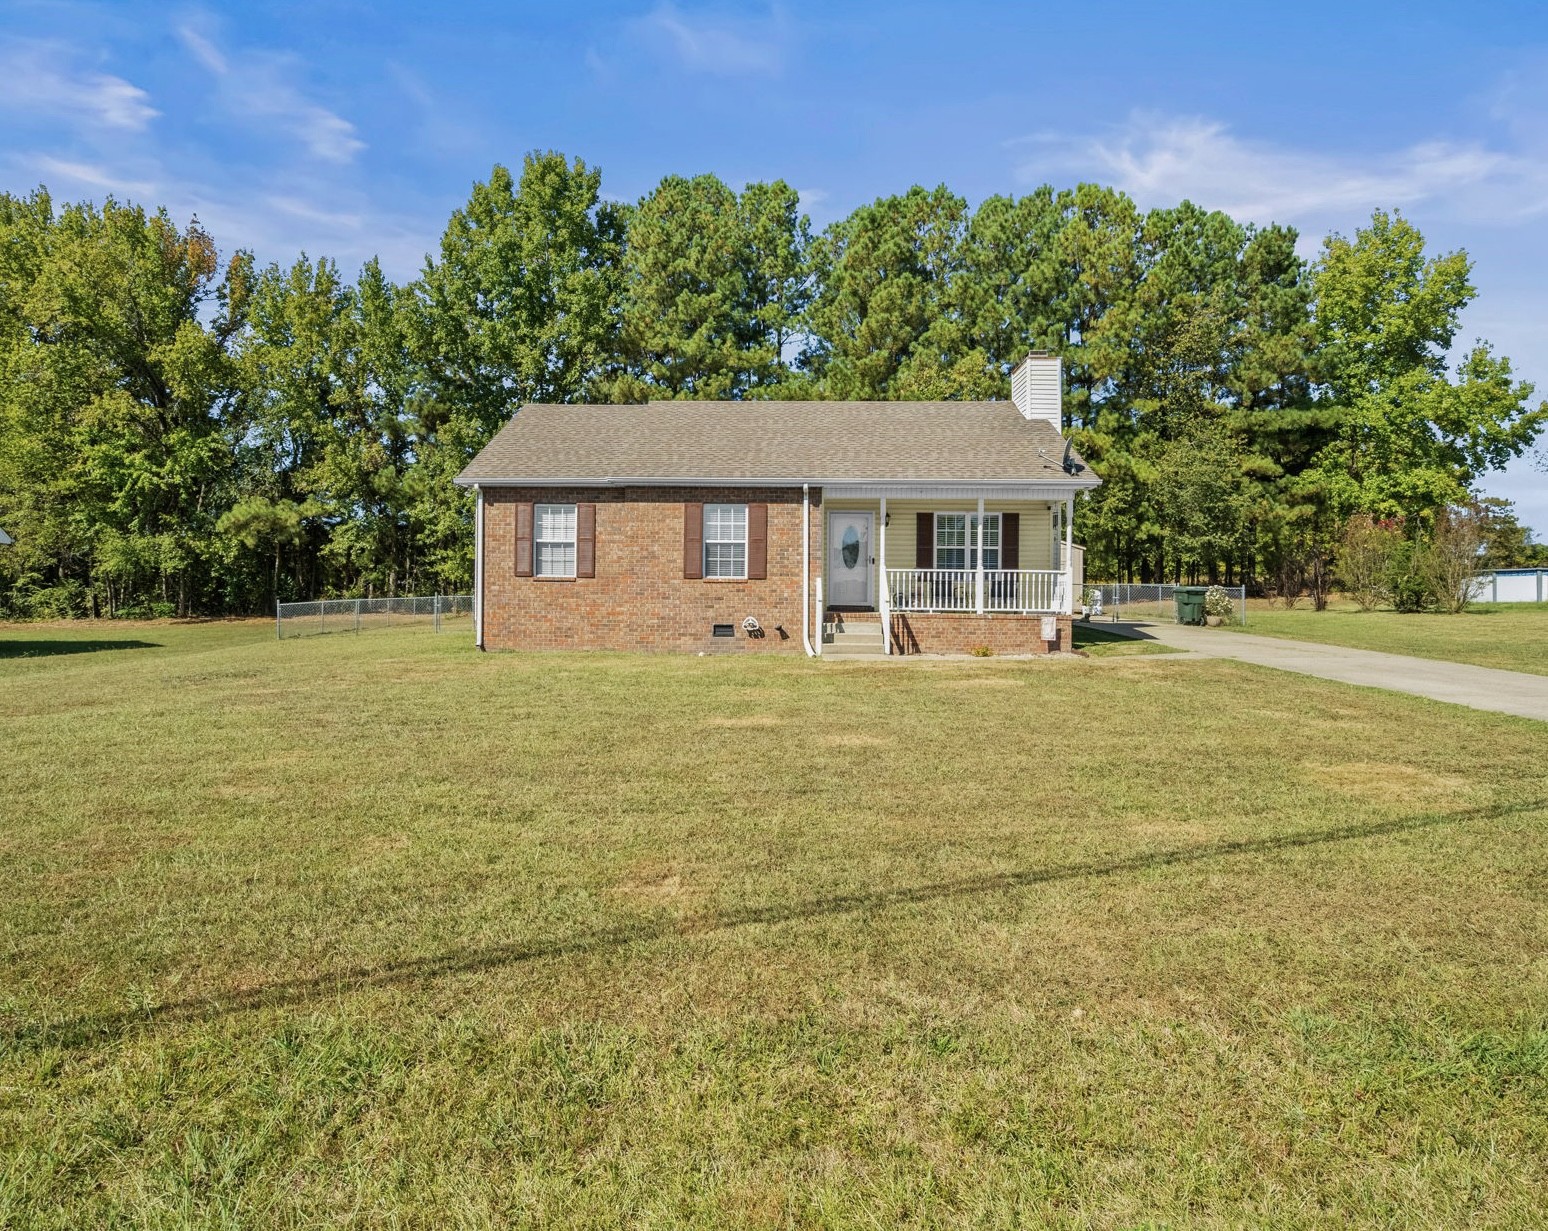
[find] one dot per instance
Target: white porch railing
(1040, 590)
(1024, 591)
(931, 589)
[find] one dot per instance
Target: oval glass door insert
(849, 547)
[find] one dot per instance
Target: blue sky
(347, 129)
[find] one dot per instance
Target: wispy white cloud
(598, 64)
(277, 214)
(203, 50)
(279, 226)
(716, 43)
(257, 87)
(439, 125)
(310, 211)
(1518, 102)
(61, 173)
(43, 79)
(1162, 159)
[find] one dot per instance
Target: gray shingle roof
(772, 442)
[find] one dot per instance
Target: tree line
(182, 433)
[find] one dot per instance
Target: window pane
(555, 521)
(950, 557)
(991, 541)
(951, 531)
(725, 560)
(555, 560)
(725, 540)
(553, 546)
(724, 522)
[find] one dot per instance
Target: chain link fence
(352, 615)
(1123, 601)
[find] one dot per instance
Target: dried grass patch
(657, 887)
(1380, 781)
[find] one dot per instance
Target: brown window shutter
(1010, 540)
(524, 539)
(693, 540)
(585, 540)
(924, 540)
(757, 541)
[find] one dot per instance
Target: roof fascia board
(870, 486)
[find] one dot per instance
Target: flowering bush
(1218, 603)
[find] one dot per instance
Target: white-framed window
(553, 540)
(955, 540)
(725, 540)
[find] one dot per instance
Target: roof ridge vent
(1037, 388)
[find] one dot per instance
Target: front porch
(948, 571)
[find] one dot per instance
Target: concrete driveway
(1482, 688)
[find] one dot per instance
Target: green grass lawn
(1512, 636)
(380, 932)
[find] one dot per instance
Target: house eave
(867, 486)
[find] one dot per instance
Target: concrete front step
(852, 634)
(853, 640)
(872, 632)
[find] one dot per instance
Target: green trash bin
(1190, 604)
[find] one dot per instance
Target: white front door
(850, 575)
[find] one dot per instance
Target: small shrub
(147, 609)
(981, 651)
(1218, 603)
(61, 602)
(1449, 560)
(1365, 559)
(1406, 584)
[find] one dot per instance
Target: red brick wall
(960, 632)
(639, 599)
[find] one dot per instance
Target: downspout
(886, 591)
(805, 569)
(478, 570)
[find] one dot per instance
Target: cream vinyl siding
(1036, 525)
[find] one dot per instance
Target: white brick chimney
(1037, 388)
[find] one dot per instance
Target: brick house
(828, 527)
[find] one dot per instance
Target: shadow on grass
(108, 1027)
(1117, 640)
(47, 649)
(1084, 634)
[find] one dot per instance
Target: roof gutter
(1051, 480)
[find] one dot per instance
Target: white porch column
(978, 544)
(881, 580)
(1069, 540)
